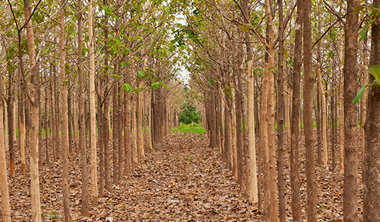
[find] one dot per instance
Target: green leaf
(116, 76)
(375, 71)
(331, 54)
(141, 73)
(358, 8)
(155, 85)
(123, 64)
(359, 96)
(107, 10)
(136, 90)
(363, 32)
(127, 87)
(163, 84)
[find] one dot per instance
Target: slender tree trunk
(6, 139)
(280, 117)
(115, 131)
(308, 114)
(5, 206)
(364, 100)
(46, 115)
(56, 122)
(69, 114)
(238, 118)
(140, 142)
(324, 116)
(120, 134)
(127, 142)
(11, 131)
(76, 131)
(21, 119)
(270, 196)
(106, 145)
(65, 120)
(82, 116)
(294, 155)
(94, 182)
(351, 157)
(34, 171)
(341, 117)
(371, 176)
(251, 120)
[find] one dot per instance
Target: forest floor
(180, 180)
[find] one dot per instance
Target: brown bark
(351, 158)
(270, 196)
(294, 155)
(5, 206)
(65, 120)
(21, 119)
(371, 176)
(280, 117)
(340, 101)
(94, 181)
(56, 117)
(364, 99)
(34, 171)
(308, 114)
(82, 117)
(11, 130)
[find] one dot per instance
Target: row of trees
(72, 75)
(278, 65)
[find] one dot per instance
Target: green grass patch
(190, 128)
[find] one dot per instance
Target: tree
(6, 211)
(94, 180)
(371, 180)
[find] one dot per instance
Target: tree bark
(82, 116)
(351, 158)
(280, 116)
(34, 171)
(294, 155)
(5, 206)
(270, 196)
(371, 176)
(94, 182)
(65, 120)
(308, 114)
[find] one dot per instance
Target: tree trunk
(34, 171)
(82, 116)
(94, 182)
(5, 206)
(56, 122)
(11, 130)
(21, 119)
(371, 176)
(280, 117)
(364, 100)
(308, 114)
(270, 196)
(341, 117)
(324, 116)
(75, 106)
(65, 120)
(294, 155)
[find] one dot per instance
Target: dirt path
(181, 180)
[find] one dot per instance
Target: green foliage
(189, 113)
(375, 71)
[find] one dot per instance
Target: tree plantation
(190, 110)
